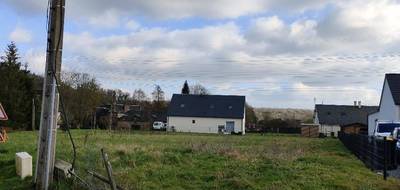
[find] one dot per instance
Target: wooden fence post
(109, 170)
(385, 155)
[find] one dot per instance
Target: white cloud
(274, 60)
(223, 54)
(36, 59)
(272, 36)
(108, 19)
(172, 9)
(363, 25)
(20, 35)
(132, 25)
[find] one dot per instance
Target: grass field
(193, 161)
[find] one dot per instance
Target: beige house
(207, 114)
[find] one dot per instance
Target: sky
(278, 53)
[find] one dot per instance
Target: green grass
(194, 161)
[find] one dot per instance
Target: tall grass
(147, 160)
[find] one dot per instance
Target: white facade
(388, 110)
(326, 129)
(203, 124)
(329, 129)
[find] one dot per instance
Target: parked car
(158, 125)
(385, 129)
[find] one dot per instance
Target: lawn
(194, 161)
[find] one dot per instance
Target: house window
(211, 106)
(193, 121)
(182, 105)
(230, 107)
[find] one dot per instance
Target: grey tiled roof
(215, 106)
(343, 114)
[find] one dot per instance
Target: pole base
(62, 170)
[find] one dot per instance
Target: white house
(331, 118)
(207, 113)
(389, 106)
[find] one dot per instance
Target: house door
(230, 127)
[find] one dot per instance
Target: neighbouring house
(389, 106)
(334, 118)
(207, 113)
(127, 117)
(121, 108)
(134, 119)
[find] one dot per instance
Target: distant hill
(287, 113)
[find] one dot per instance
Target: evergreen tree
(185, 89)
(11, 58)
(17, 89)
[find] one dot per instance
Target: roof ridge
(392, 74)
(207, 95)
(345, 105)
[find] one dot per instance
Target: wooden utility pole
(48, 119)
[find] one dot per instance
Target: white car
(158, 125)
(385, 129)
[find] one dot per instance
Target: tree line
(21, 95)
(17, 89)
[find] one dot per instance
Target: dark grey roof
(134, 115)
(216, 106)
(394, 85)
(102, 111)
(343, 114)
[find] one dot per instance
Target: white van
(385, 129)
(158, 125)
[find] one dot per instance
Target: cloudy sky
(279, 53)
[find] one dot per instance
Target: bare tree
(158, 94)
(139, 95)
(199, 89)
(81, 94)
(122, 97)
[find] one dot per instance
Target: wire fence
(377, 154)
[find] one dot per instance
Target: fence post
(395, 155)
(385, 155)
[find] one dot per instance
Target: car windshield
(387, 127)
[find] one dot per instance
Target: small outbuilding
(207, 114)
